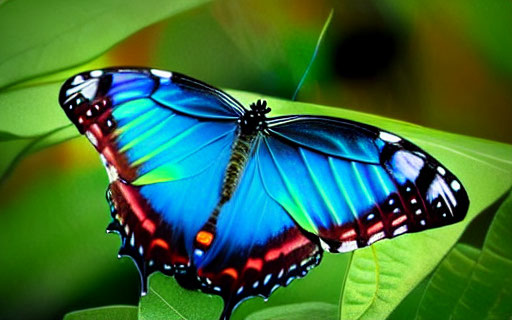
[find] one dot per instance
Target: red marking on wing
(149, 226)
(399, 220)
(256, 264)
(132, 200)
(230, 272)
(96, 131)
(348, 234)
(287, 248)
(159, 243)
(375, 228)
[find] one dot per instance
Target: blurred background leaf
(43, 37)
(441, 65)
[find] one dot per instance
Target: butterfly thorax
(251, 123)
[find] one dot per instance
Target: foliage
(433, 274)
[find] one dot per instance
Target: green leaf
(488, 292)
(53, 215)
(32, 111)
(104, 313)
(166, 300)
(302, 311)
(43, 37)
(448, 283)
(15, 148)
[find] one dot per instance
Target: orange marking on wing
(132, 200)
(204, 237)
(230, 272)
(348, 234)
(375, 228)
(160, 243)
(149, 226)
(399, 220)
(286, 248)
(256, 264)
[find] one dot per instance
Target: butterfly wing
(258, 247)
(165, 140)
(353, 184)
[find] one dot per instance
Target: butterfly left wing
(352, 184)
(165, 140)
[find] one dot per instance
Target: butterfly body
(235, 203)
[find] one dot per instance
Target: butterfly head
(255, 119)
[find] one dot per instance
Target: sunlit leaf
(104, 313)
(40, 37)
(302, 311)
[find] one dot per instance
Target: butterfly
(238, 204)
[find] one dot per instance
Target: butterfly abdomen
(236, 165)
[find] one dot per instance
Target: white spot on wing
(112, 173)
(324, 245)
(441, 171)
(347, 246)
(400, 230)
(77, 80)
(439, 188)
(455, 185)
(96, 73)
(406, 166)
(388, 137)
(161, 73)
(376, 237)
(267, 279)
(91, 138)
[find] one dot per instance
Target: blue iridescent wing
(353, 184)
(165, 140)
(258, 247)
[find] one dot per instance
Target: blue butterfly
(236, 204)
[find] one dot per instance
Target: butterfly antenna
(313, 57)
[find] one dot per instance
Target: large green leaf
(488, 291)
(39, 37)
(448, 283)
(104, 313)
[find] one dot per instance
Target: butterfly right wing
(165, 140)
(352, 184)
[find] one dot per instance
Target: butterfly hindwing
(352, 184)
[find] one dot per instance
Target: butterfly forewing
(354, 184)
